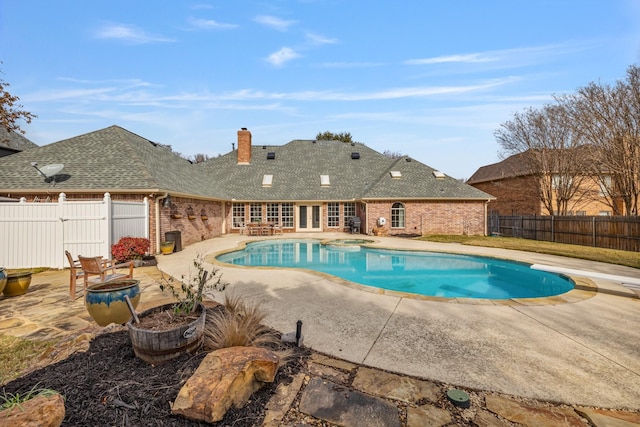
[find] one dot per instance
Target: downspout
(157, 227)
(366, 217)
(486, 218)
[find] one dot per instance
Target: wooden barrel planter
(106, 302)
(17, 284)
(158, 346)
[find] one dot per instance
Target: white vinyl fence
(37, 234)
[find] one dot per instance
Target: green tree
(330, 136)
(11, 110)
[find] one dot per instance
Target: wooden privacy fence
(37, 234)
(613, 232)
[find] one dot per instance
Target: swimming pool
(416, 272)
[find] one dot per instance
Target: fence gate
(37, 234)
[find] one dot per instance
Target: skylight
(324, 181)
(267, 180)
(438, 174)
(396, 174)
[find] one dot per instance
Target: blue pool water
(417, 272)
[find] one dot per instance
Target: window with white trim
(333, 214)
(255, 212)
(287, 215)
(238, 217)
(348, 212)
(397, 215)
(273, 213)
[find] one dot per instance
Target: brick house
(304, 186)
(517, 190)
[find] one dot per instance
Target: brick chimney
(244, 147)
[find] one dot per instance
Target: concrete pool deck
(581, 349)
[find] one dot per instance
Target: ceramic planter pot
(3, 278)
(17, 284)
(167, 247)
(158, 346)
(106, 304)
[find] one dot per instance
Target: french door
(309, 218)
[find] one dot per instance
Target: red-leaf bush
(129, 248)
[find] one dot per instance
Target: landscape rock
(602, 417)
(41, 411)
(225, 378)
(280, 402)
(534, 416)
(428, 415)
(344, 407)
(394, 386)
(328, 373)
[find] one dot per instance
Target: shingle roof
(510, 167)
(14, 140)
(110, 159)
(114, 159)
(298, 165)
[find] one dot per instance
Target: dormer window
(396, 174)
(267, 180)
(324, 181)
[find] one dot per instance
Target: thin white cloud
(318, 39)
(285, 54)
(468, 58)
(129, 34)
(209, 24)
(274, 22)
(513, 56)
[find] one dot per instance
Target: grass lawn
(16, 354)
(612, 256)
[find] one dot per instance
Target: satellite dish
(50, 170)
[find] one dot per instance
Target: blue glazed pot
(3, 278)
(105, 302)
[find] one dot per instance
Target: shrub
(238, 324)
(129, 248)
(189, 293)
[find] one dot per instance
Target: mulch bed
(109, 386)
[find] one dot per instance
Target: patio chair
(277, 229)
(105, 269)
(75, 273)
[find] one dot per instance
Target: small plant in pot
(165, 332)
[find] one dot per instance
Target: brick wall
(438, 217)
(514, 196)
(186, 215)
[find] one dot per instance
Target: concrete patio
(580, 348)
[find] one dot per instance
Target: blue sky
(431, 79)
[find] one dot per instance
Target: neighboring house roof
(114, 159)
(14, 142)
(297, 167)
(511, 167)
(109, 159)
